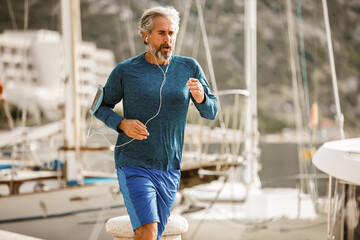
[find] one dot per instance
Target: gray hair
(146, 23)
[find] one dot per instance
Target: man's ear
(146, 39)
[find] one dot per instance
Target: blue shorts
(149, 194)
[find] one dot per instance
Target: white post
(120, 228)
(251, 129)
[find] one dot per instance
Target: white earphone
(147, 39)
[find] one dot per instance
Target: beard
(162, 56)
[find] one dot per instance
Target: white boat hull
(69, 213)
(340, 159)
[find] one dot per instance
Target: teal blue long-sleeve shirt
(137, 83)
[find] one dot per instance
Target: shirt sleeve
(209, 108)
(113, 94)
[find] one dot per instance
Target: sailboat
(58, 200)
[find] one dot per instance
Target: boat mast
(339, 115)
(251, 125)
(71, 33)
(340, 122)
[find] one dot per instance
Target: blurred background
(112, 25)
(295, 110)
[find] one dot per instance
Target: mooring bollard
(120, 228)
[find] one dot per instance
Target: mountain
(112, 24)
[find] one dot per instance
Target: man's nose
(168, 38)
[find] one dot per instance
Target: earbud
(147, 39)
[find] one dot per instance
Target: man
(155, 89)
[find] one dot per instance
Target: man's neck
(151, 58)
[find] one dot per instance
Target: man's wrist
(121, 125)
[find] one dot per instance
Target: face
(163, 37)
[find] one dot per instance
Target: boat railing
(216, 144)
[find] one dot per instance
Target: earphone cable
(157, 113)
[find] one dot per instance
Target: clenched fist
(196, 90)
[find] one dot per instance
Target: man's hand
(196, 90)
(134, 129)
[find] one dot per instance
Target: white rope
(292, 51)
(182, 31)
(210, 64)
(12, 15)
(26, 14)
